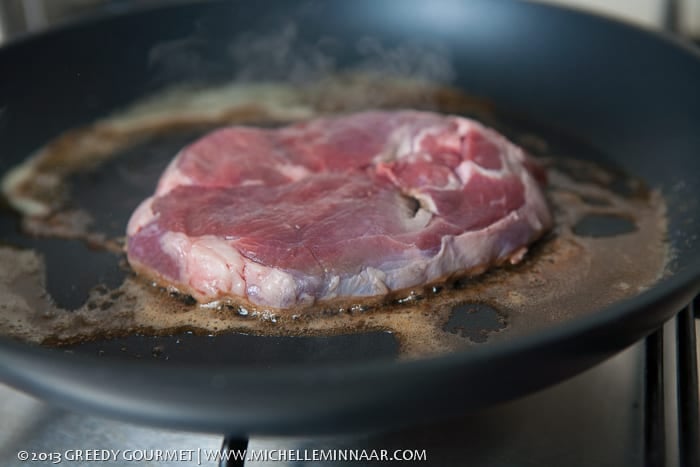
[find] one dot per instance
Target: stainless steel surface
(593, 419)
(34, 426)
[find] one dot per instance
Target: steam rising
(281, 56)
(284, 54)
(430, 62)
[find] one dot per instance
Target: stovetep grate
(688, 392)
(687, 406)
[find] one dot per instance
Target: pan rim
(93, 19)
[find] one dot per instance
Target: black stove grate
(687, 406)
(688, 394)
(654, 402)
(232, 444)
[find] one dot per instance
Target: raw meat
(347, 206)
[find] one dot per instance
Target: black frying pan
(631, 94)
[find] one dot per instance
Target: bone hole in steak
(413, 204)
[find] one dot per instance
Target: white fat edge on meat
(214, 266)
(368, 282)
(405, 141)
(466, 169)
(172, 176)
(269, 286)
(293, 172)
(464, 126)
(211, 265)
(250, 182)
(400, 143)
(539, 217)
(410, 269)
(176, 245)
(332, 285)
(141, 216)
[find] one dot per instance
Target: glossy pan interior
(630, 94)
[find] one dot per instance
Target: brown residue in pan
(571, 272)
(563, 276)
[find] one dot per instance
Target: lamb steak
(345, 206)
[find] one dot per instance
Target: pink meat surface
(348, 206)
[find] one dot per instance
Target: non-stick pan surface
(630, 94)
